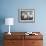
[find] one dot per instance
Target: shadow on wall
(2, 21)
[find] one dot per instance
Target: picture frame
(26, 15)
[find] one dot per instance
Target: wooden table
(20, 39)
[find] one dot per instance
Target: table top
(22, 35)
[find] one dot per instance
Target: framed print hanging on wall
(26, 15)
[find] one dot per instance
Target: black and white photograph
(26, 15)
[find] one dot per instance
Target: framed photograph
(26, 15)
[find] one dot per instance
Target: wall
(9, 8)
